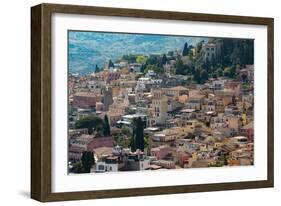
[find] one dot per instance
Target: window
(100, 167)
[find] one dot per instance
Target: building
(165, 164)
(107, 98)
(99, 106)
(108, 164)
(159, 107)
(108, 75)
(136, 161)
(85, 100)
(233, 86)
(90, 142)
(131, 117)
(75, 153)
(169, 68)
(94, 87)
(174, 133)
(161, 151)
(195, 102)
(183, 158)
(176, 91)
(135, 67)
(248, 130)
(210, 51)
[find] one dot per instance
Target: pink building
(75, 153)
(109, 76)
(113, 76)
(233, 86)
(160, 152)
(183, 158)
(100, 142)
(248, 131)
(85, 99)
(90, 142)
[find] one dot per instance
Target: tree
(106, 127)
(199, 46)
(203, 76)
(226, 72)
(230, 71)
(97, 69)
(219, 72)
(141, 59)
(77, 168)
(126, 131)
(164, 59)
(233, 71)
(179, 66)
(139, 134)
(133, 138)
(207, 64)
(234, 51)
(196, 76)
(87, 160)
(214, 75)
(130, 58)
(185, 50)
(133, 143)
(91, 122)
(146, 141)
(110, 64)
(155, 68)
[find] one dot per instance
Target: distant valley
(88, 49)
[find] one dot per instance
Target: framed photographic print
(130, 102)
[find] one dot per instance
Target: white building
(110, 164)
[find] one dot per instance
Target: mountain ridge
(87, 49)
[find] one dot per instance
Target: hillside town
(182, 109)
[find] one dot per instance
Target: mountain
(86, 49)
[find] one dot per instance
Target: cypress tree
(97, 69)
(87, 160)
(179, 66)
(106, 127)
(133, 144)
(139, 134)
(185, 50)
(164, 59)
(197, 76)
(110, 64)
(133, 138)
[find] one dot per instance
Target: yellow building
(159, 110)
(176, 91)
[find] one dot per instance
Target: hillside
(86, 49)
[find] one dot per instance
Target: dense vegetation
(92, 123)
(232, 55)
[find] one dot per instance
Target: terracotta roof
(179, 88)
(85, 94)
